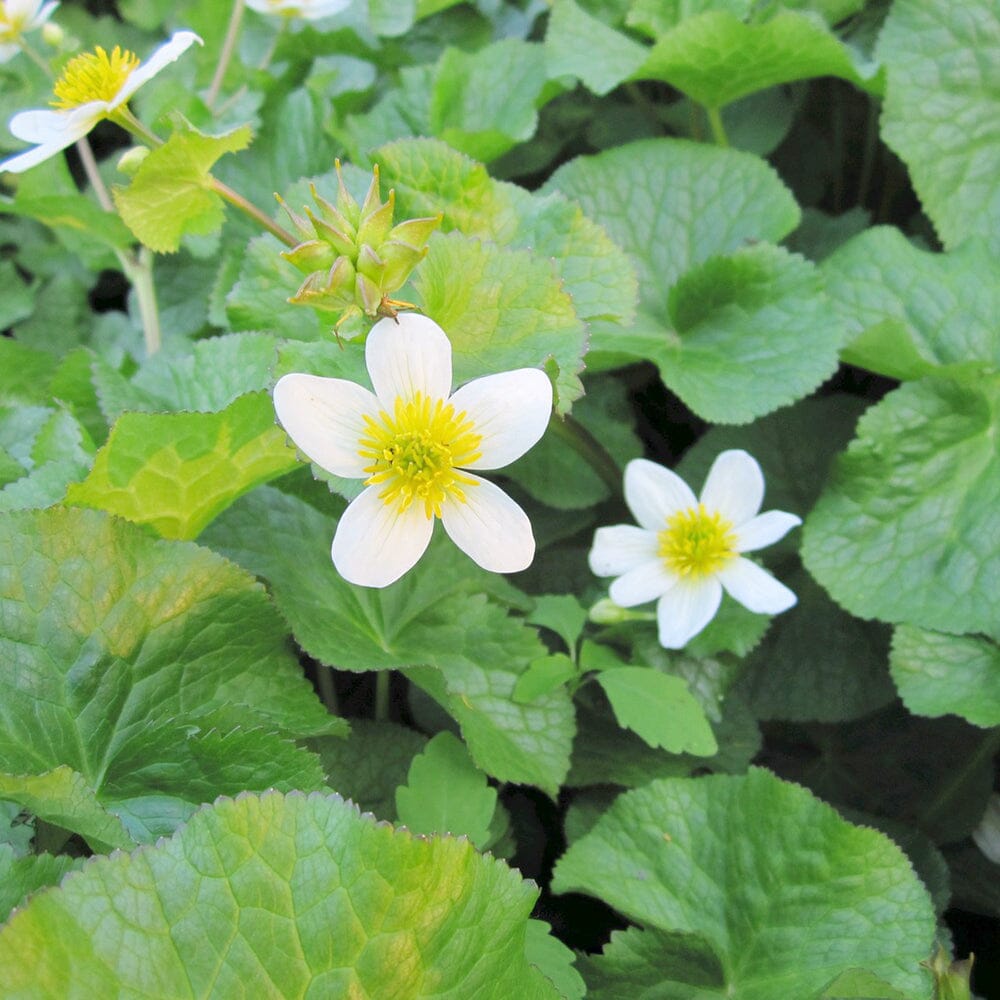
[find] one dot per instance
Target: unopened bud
(130, 161)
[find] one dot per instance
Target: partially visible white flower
(309, 10)
(987, 833)
(17, 17)
(686, 550)
(412, 440)
(93, 86)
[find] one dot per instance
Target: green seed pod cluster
(353, 257)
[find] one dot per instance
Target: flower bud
(353, 256)
(130, 161)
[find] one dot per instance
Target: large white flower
(309, 10)
(686, 550)
(412, 443)
(93, 86)
(18, 17)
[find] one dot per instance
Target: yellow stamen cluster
(417, 452)
(93, 76)
(11, 25)
(696, 543)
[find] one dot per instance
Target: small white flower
(686, 550)
(411, 442)
(309, 10)
(17, 17)
(93, 86)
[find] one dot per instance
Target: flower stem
(228, 47)
(327, 692)
(35, 57)
(589, 449)
(718, 129)
(139, 269)
(123, 116)
(235, 198)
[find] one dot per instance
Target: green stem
(263, 65)
(138, 270)
(589, 449)
(123, 116)
(35, 57)
(868, 155)
(236, 199)
(718, 129)
(382, 680)
(226, 55)
(324, 681)
(140, 273)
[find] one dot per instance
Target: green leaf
(86, 221)
(19, 297)
(861, 985)
(131, 660)
(940, 674)
(672, 205)
(563, 614)
(781, 888)
(716, 59)
(656, 17)
(177, 471)
(941, 111)
(577, 44)
(543, 676)
(429, 177)
(546, 952)
(25, 372)
(172, 193)
(483, 103)
(207, 377)
(259, 299)
(370, 763)
(654, 965)
(289, 893)
(19, 877)
(63, 798)
(502, 309)
(910, 313)
(908, 529)
(446, 793)
(758, 308)
(659, 708)
(422, 619)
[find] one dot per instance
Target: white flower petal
(167, 53)
(620, 548)
(510, 410)
(653, 493)
(45, 126)
(755, 588)
(643, 583)
(734, 487)
(43, 14)
(407, 355)
(765, 529)
(375, 544)
(7, 52)
(324, 417)
(685, 610)
(490, 528)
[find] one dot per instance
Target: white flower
(309, 10)
(686, 550)
(411, 442)
(18, 17)
(987, 833)
(93, 86)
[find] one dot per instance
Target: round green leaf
(785, 892)
(942, 108)
(908, 529)
(940, 674)
(298, 896)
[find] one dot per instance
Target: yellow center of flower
(695, 543)
(417, 451)
(93, 76)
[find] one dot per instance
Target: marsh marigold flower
(414, 442)
(93, 86)
(687, 550)
(17, 17)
